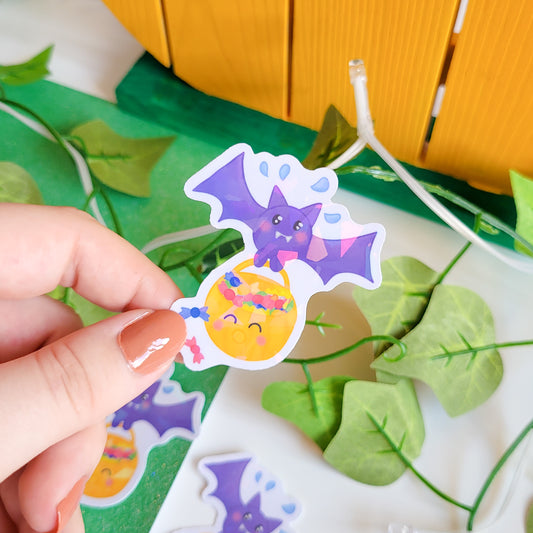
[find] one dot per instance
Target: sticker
(250, 311)
(246, 497)
(153, 418)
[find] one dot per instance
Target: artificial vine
(348, 417)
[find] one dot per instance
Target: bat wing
(229, 187)
(180, 415)
(331, 257)
(160, 417)
(228, 476)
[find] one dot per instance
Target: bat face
(251, 316)
(283, 232)
(249, 518)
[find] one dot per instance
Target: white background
(92, 54)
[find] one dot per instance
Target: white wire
(365, 130)
(81, 165)
(349, 154)
(178, 236)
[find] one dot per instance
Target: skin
(58, 381)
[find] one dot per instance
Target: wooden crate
(289, 59)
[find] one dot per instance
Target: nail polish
(69, 504)
(152, 340)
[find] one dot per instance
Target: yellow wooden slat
(233, 49)
(485, 125)
(403, 45)
(144, 20)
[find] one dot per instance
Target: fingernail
(152, 340)
(69, 504)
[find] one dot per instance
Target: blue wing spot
(332, 218)
(168, 389)
(289, 508)
(263, 168)
(270, 485)
(258, 475)
(284, 171)
(322, 185)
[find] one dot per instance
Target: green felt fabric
(151, 91)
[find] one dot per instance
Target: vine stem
(44, 128)
(201, 253)
(493, 346)
(311, 388)
(348, 349)
(462, 251)
(410, 466)
(490, 478)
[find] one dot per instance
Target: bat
(283, 232)
(161, 417)
(241, 516)
(250, 311)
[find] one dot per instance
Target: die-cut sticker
(250, 311)
(247, 498)
(160, 413)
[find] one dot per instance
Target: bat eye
(298, 225)
(259, 529)
(247, 516)
(276, 219)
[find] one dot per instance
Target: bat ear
(312, 212)
(276, 198)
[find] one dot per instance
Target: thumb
(78, 380)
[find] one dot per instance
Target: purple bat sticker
(151, 419)
(246, 497)
(250, 311)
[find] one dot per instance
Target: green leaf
(88, 312)
(17, 186)
(34, 69)
(397, 306)
(122, 163)
(360, 449)
(456, 320)
(334, 138)
(523, 197)
(291, 400)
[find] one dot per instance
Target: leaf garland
(17, 185)
(378, 421)
(398, 304)
(291, 401)
(334, 137)
(122, 163)
(457, 320)
(523, 194)
(32, 70)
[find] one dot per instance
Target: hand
(58, 381)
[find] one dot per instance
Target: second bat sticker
(250, 311)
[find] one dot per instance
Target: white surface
(92, 54)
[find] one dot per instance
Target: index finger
(42, 247)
